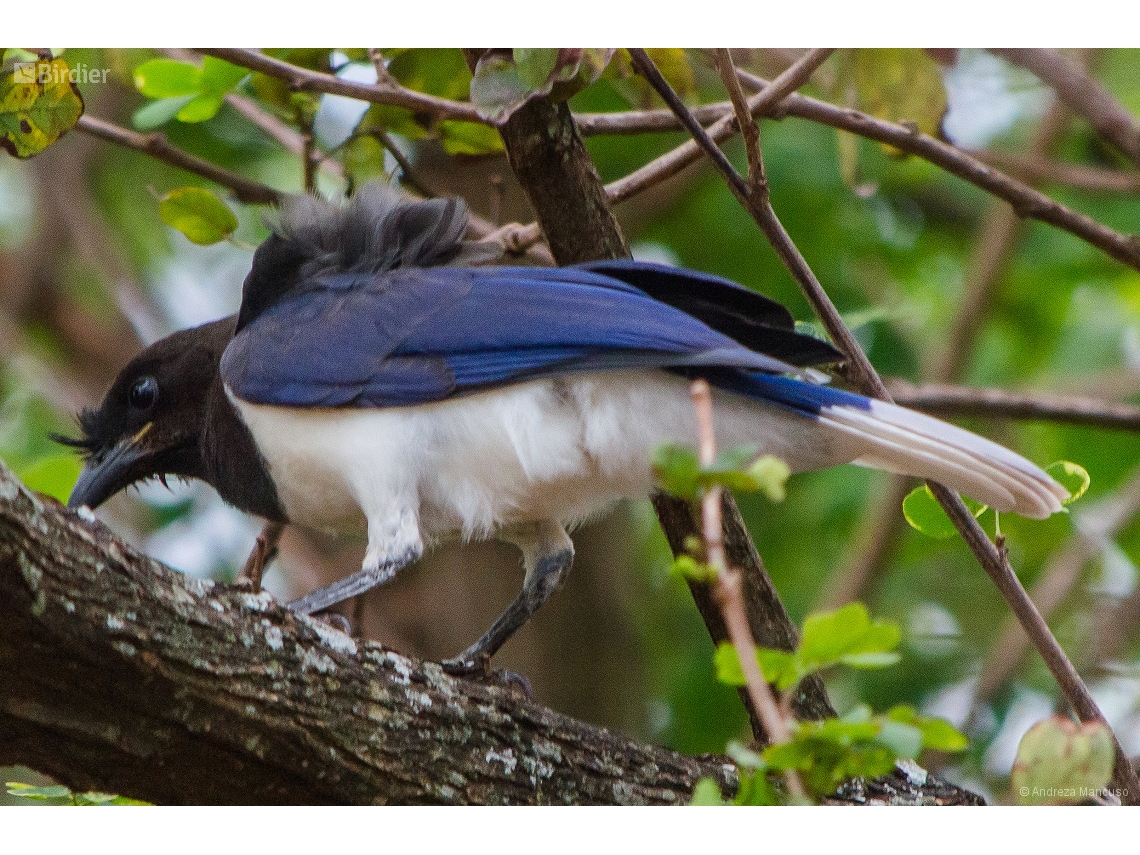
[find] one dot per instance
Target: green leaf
(849, 636)
(392, 120)
(468, 138)
(707, 794)
(903, 740)
(1062, 762)
(937, 734)
(156, 113)
(497, 91)
(535, 65)
(28, 791)
(201, 108)
(899, 84)
(770, 475)
(677, 470)
(38, 105)
(219, 76)
(1072, 476)
(168, 78)
(198, 214)
(924, 513)
(690, 568)
(435, 71)
(54, 475)
(777, 666)
(755, 790)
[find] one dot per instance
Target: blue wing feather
(415, 335)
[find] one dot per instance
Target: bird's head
(150, 422)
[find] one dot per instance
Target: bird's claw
(335, 620)
(479, 668)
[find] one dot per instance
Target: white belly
(560, 449)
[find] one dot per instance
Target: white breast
(562, 449)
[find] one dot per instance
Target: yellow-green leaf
(167, 78)
(38, 105)
(1072, 476)
(924, 513)
(469, 138)
(198, 214)
(1060, 761)
(899, 84)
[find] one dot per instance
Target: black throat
(232, 462)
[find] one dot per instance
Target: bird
(381, 377)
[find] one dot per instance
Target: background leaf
(198, 214)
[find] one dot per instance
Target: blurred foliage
(891, 238)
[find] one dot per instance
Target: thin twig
(945, 400)
(1082, 94)
(157, 146)
(672, 162)
(1094, 528)
(1028, 203)
(384, 91)
(992, 559)
(1041, 170)
(749, 130)
(728, 590)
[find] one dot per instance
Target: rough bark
(120, 675)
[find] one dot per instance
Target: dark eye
(143, 394)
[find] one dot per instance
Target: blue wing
(415, 335)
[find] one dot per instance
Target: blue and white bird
(375, 381)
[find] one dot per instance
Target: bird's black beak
(106, 473)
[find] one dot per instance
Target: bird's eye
(143, 394)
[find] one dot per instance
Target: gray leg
(548, 555)
(351, 586)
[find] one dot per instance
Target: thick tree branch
(118, 674)
(1082, 94)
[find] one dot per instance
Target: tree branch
(120, 675)
(1082, 94)
(383, 92)
(944, 400)
(1041, 170)
(156, 145)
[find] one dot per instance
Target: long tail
(909, 443)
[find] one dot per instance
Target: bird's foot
(335, 620)
(479, 668)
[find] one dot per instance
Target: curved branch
(156, 145)
(304, 80)
(120, 675)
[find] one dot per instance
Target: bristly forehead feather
(376, 231)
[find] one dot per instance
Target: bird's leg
(263, 552)
(394, 542)
(362, 580)
(547, 554)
